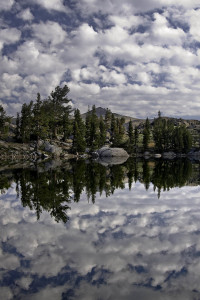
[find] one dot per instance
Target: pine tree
(130, 137)
(187, 140)
(121, 129)
(113, 123)
(108, 116)
(88, 128)
(58, 104)
(79, 143)
(79, 121)
(3, 119)
(93, 126)
(102, 132)
(26, 122)
(136, 137)
(17, 130)
(146, 134)
(66, 126)
(40, 120)
(115, 139)
(158, 134)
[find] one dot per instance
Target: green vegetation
(4, 122)
(168, 137)
(51, 119)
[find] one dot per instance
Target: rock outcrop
(112, 152)
(55, 150)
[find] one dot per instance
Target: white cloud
(26, 15)
(165, 35)
(194, 20)
(6, 4)
(50, 33)
(146, 57)
(9, 36)
(52, 5)
(126, 21)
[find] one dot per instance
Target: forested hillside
(53, 119)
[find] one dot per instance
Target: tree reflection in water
(54, 189)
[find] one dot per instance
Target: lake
(87, 230)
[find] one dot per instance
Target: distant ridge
(102, 111)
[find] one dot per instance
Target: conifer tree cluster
(4, 119)
(45, 119)
(50, 118)
(169, 137)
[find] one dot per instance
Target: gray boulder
(112, 152)
(55, 150)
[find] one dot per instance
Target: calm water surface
(87, 231)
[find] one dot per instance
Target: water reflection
(53, 189)
(130, 245)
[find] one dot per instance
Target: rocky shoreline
(12, 151)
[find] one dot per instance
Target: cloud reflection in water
(129, 245)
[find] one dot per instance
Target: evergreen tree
(17, 130)
(115, 139)
(79, 143)
(182, 139)
(187, 141)
(117, 131)
(66, 126)
(79, 121)
(130, 146)
(108, 116)
(136, 136)
(26, 122)
(58, 104)
(93, 129)
(146, 134)
(40, 120)
(87, 127)
(158, 134)
(121, 129)
(102, 132)
(113, 123)
(3, 119)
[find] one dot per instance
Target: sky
(135, 57)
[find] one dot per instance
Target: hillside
(192, 125)
(102, 111)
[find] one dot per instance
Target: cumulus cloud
(112, 51)
(194, 20)
(6, 5)
(52, 5)
(50, 33)
(26, 15)
(9, 36)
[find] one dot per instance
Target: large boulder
(112, 152)
(55, 150)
